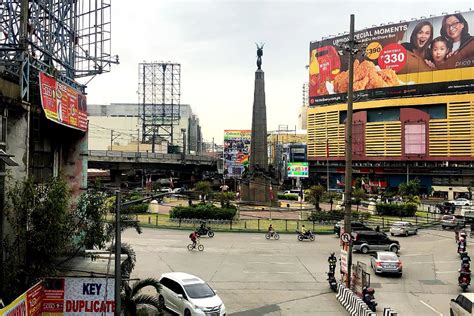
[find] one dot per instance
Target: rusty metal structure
(67, 39)
(159, 93)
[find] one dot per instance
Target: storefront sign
(297, 169)
(236, 152)
(343, 261)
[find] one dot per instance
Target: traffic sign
(346, 237)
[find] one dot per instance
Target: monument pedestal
(256, 191)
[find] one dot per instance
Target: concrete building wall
(126, 119)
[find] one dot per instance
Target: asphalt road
(254, 276)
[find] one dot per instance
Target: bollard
(230, 224)
(286, 224)
(313, 226)
(156, 220)
(427, 221)
(245, 224)
(179, 222)
(258, 224)
(149, 220)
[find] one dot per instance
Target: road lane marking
(269, 262)
(271, 272)
(430, 307)
(439, 272)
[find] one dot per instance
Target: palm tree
(133, 300)
(315, 194)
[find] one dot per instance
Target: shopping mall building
(421, 128)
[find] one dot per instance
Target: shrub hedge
(135, 208)
(288, 196)
(203, 211)
(336, 216)
(402, 210)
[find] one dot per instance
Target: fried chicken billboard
(420, 57)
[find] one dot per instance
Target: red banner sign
(63, 104)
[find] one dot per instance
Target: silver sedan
(386, 262)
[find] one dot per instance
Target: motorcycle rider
(202, 228)
(332, 260)
(461, 245)
(304, 232)
(368, 297)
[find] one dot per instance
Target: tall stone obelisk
(257, 187)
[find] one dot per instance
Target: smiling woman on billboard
(456, 30)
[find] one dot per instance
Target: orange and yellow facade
(431, 128)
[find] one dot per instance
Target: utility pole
(348, 171)
(118, 254)
(138, 140)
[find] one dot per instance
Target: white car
(188, 295)
(461, 202)
(462, 305)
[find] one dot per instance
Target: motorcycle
(368, 298)
(205, 231)
(274, 235)
(464, 279)
(309, 235)
(332, 281)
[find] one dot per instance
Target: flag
(271, 193)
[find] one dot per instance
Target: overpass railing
(148, 155)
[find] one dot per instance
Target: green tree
(315, 194)
(42, 229)
(225, 198)
(358, 194)
(411, 188)
(133, 299)
(204, 188)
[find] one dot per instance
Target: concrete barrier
(387, 311)
(353, 304)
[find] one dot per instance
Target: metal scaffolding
(159, 91)
(64, 38)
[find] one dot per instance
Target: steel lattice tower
(159, 91)
(64, 38)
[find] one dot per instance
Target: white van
(188, 295)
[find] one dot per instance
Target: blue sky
(214, 41)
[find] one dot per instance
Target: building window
(415, 139)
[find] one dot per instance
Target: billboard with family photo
(236, 152)
(420, 57)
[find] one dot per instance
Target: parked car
(386, 262)
(462, 305)
(355, 226)
(403, 228)
(166, 190)
(452, 221)
(366, 241)
(461, 202)
(177, 190)
(445, 208)
(186, 294)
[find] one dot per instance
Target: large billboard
(429, 56)
(63, 104)
(236, 152)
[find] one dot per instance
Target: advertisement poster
(236, 152)
(62, 103)
(27, 304)
(78, 296)
(420, 57)
(297, 169)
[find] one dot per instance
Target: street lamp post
(348, 172)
